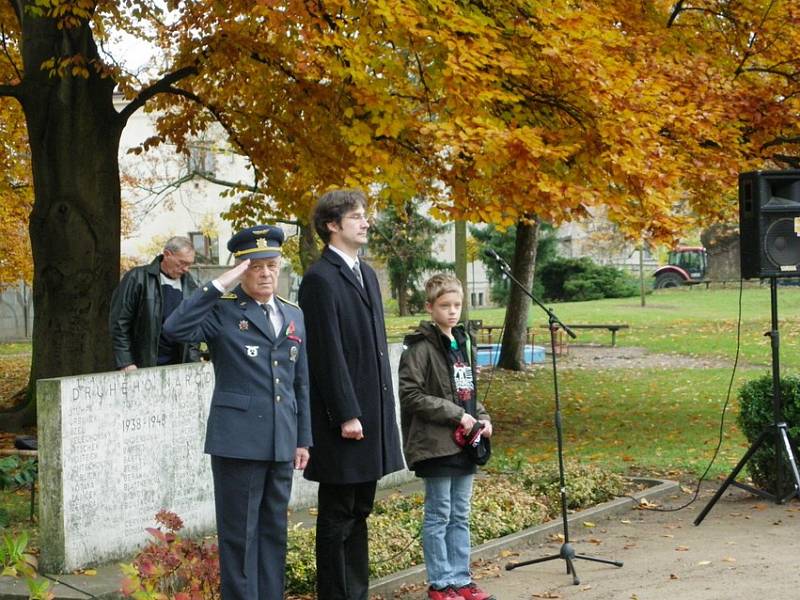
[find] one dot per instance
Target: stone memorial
(115, 448)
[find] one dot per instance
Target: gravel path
(630, 357)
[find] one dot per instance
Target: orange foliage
(492, 110)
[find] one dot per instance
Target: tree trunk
(516, 323)
(309, 251)
(74, 134)
(402, 299)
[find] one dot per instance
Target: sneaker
(447, 593)
(473, 592)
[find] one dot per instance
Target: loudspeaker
(769, 223)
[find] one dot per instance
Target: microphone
(490, 253)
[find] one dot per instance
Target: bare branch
(17, 8)
(234, 138)
(8, 54)
(10, 91)
(163, 85)
(780, 141)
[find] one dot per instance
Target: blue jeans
(445, 530)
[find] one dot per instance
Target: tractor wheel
(668, 280)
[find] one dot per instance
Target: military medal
(252, 350)
(293, 353)
(244, 325)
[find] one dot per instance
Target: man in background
(143, 300)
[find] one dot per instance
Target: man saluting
(258, 424)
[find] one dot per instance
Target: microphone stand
(567, 552)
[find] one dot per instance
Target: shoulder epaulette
(229, 296)
(285, 301)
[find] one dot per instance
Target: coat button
(277, 380)
(275, 363)
(277, 398)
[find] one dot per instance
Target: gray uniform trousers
(260, 491)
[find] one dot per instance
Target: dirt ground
(628, 357)
(745, 548)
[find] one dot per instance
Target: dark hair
(332, 206)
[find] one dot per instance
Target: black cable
(721, 422)
(72, 587)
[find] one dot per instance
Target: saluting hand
(352, 430)
(231, 277)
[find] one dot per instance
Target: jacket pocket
(231, 400)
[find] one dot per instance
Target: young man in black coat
(356, 440)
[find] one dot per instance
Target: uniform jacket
(135, 317)
(429, 413)
(350, 374)
(259, 410)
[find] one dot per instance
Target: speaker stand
(776, 432)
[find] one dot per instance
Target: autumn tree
(403, 239)
(492, 111)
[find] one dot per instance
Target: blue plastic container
(488, 354)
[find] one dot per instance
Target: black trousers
(342, 549)
(251, 497)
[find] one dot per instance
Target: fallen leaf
(703, 563)
(626, 521)
(589, 524)
(673, 576)
(728, 559)
(681, 548)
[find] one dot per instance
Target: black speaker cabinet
(769, 223)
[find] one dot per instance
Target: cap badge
(261, 243)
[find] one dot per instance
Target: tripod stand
(777, 431)
(567, 552)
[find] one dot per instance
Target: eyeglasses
(357, 217)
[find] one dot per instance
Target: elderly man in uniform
(258, 425)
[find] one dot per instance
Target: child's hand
(487, 429)
(467, 421)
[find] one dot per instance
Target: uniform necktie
(357, 273)
(268, 313)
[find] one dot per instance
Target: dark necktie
(268, 313)
(357, 273)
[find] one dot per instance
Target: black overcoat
(350, 375)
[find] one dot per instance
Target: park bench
(562, 338)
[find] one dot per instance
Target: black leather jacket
(135, 317)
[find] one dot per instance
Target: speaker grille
(782, 244)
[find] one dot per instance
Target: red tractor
(686, 265)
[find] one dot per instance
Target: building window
(202, 160)
(480, 298)
(473, 298)
(206, 248)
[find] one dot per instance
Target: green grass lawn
(656, 419)
(690, 321)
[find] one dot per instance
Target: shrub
(756, 413)
(581, 279)
(171, 568)
(587, 485)
(16, 561)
